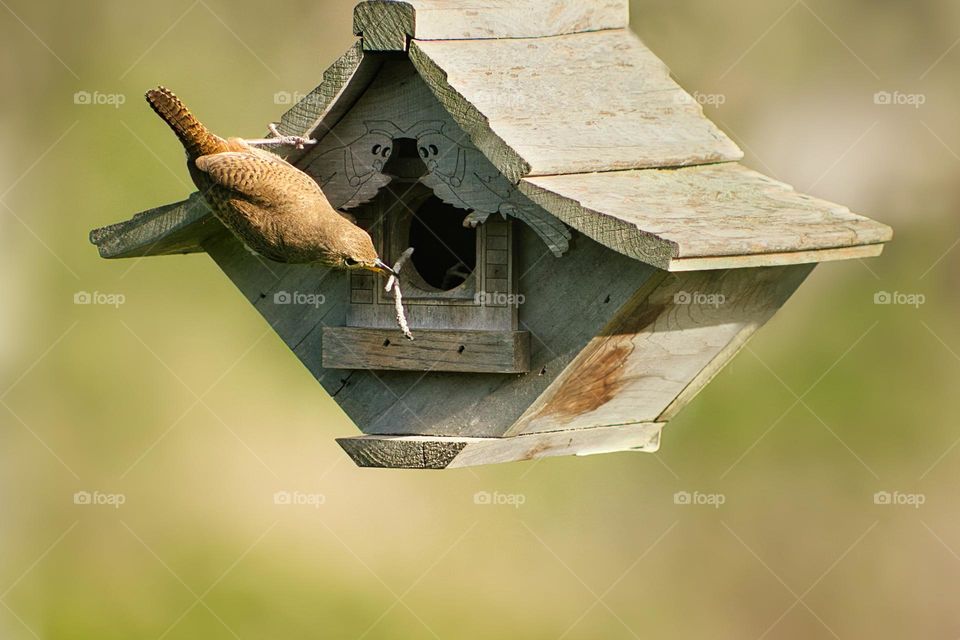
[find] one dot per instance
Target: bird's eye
(350, 262)
(376, 149)
(434, 150)
(423, 152)
(386, 152)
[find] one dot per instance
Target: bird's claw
(297, 142)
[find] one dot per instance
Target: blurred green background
(183, 403)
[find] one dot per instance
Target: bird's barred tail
(195, 137)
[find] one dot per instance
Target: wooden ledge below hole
(437, 452)
(431, 350)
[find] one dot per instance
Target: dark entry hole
(461, 349)
(386, 342)
(445, 251)
(405, 161)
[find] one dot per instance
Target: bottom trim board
(438, 452)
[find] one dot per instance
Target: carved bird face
(355, 251)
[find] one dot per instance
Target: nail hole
(543, 371)
(262, 296)
(607, 301)
(386, 342)
(461, 349)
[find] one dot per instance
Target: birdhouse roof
(566, 102)
(571, 107)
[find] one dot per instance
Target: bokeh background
(182, 405)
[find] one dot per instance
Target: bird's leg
(297, 142)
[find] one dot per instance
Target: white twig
(393, 283)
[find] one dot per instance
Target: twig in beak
(393, 282)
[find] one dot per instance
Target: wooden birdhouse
(589, 252)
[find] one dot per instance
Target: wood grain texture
(658, 346)
(388, 25)
(421, 452)
(435, 403)
(571, 104)
(568, 302)
(776, 259)
(431, 350)
(176, 228)
(724, 210)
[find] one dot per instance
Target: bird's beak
(381, 267)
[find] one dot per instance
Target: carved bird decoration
(276, 210)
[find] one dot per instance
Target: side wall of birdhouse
(614, 341)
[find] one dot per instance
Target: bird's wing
(271, 183)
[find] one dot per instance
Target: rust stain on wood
(599, 375)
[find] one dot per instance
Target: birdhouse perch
(589, 251)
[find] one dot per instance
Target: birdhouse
(589, 252)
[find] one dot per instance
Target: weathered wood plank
(776, 259)
(431, 350)
(420, 452)
(295, 300)
(384, 26)
(571, 104)
(176, 228)
(387, 26)
(665, 217)
(567, 302)
(658, 347)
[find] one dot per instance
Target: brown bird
(275, 209)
